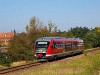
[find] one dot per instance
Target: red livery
(49, 48)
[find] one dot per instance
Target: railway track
(90, 51)
(11, 69)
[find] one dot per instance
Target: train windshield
(42, 45)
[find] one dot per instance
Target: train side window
(68, 45)
(75, 43)
(57, 44)
(80, 44)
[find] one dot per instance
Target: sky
(16, 14)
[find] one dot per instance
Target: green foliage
(96, 30)
(79, 32)
(19, 47)
(5, 60)
(93, 37)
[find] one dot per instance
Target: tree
(79, 32)
(50, 26)
(44, 32)
(92, 38)
(19, 47)
(69, 34)
(96, 30)
(36, 29)
(32, 29)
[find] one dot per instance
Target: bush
(20, 48)
(30, 55)
(26, 55)
(5, 60)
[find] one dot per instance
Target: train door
(75, 45)
(68, 46)
(54, 47)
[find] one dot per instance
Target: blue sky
(16, 14)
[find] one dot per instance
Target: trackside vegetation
(21, 46)
(86, 65)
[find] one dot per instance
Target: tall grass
(86, 65)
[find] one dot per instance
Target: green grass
(86, 65)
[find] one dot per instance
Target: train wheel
(55, 58)
(82, 52)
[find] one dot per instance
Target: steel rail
(91, 50)
(11, 69)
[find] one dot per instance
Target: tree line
(21, 46)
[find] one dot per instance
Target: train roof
(73, 39)
(47, 38)
(44, 39)
(61, 38)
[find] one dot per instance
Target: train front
(41, 47)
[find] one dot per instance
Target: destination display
(42, 42)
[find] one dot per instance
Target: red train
(49, 48)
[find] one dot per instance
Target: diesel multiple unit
(49, 48)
